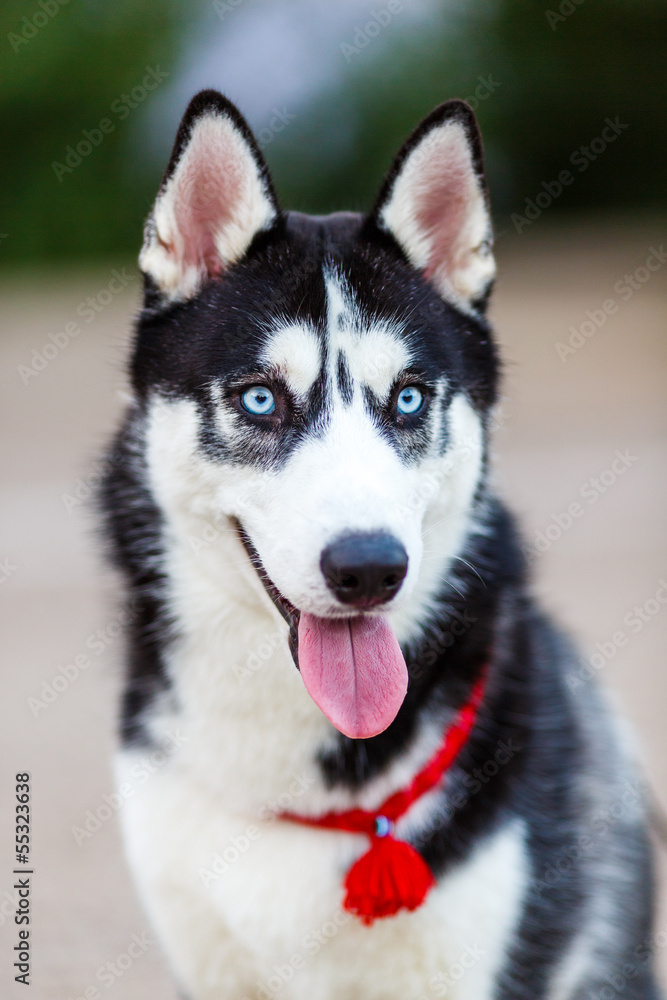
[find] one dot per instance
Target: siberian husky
(328, 596)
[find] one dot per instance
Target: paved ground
(561, 429)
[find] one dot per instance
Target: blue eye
(258, 400)
(410, 400)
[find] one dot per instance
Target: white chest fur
(250, 907)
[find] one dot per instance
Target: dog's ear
(435, 205)
(216, 195)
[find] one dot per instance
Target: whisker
(470, 566)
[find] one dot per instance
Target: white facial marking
(442, 505)
(375, 354)
(296, 352)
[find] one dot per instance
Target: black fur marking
(345, 387)
(133, 528)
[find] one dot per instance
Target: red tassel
(391, 876)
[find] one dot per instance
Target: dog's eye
(258, 400)
(410, 400)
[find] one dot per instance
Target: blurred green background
(332, 89)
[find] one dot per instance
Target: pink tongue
(354, 671)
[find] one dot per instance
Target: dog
(372, 774)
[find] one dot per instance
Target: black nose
(364, 569)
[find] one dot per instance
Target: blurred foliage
(55, 83)
(559, 79)
(555, 72)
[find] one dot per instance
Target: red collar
(392, 875)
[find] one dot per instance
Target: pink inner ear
(208, 187)
(447, 190)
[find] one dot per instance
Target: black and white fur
(336, 313)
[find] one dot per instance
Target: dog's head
(320, 386)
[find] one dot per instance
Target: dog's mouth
(353, 667)
(291, 614)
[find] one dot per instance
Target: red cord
(392, 875)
